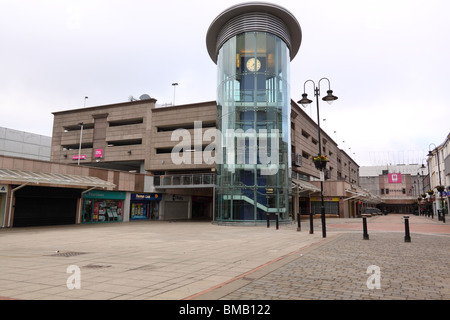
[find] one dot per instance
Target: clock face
(253, 64)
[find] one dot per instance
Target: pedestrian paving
(340, 269)
(346, 266)
(201, 261)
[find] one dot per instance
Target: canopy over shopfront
(299, 186)
(55, 179)
(43, 198)
(358, 193)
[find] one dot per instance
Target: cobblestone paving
(338, 269)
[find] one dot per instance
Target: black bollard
(277, 221)
(268, 222)
(365, 234)
(311, 224)
(299, 225)
(407, 235)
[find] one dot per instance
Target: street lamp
(430, 154)
(305, 102)
(175, 84)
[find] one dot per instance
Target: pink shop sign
(395, 178)
(99, 153)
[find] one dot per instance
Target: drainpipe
(11, 201)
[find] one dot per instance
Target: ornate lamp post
(320, 160)
(430, 154)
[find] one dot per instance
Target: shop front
(103, 206)
(145, 206)
(331, 205)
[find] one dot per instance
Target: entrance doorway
(201, 208)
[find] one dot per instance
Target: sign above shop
(145, 196)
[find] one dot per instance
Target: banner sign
(395, 178)
(98, 153)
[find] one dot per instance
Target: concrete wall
(21, 144)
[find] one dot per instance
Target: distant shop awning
(364, 195)
(24, 176)
(304, 186)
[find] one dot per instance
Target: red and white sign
(82, 157)
(395, 178)
(98, 153)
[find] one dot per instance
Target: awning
(23, 176)
(304, 186)
(357, 195)
(363, 195)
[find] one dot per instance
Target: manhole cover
(67, 254)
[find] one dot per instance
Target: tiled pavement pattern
(338, 270)
(198, 260)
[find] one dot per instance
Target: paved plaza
(200, 261)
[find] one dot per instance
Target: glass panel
(253, 94)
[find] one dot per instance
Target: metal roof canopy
(304, 186)
(23, 176)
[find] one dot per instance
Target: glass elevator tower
(252, 45)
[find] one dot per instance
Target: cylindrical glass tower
(253, 44)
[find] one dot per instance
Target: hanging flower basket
(430, 192)
(440, 188)
(423, 195)
(320, 162)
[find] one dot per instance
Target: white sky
(387, 60)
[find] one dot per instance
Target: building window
(126, 122)
(120, 143)
(186, 126)
(77, 146)
(305, 134)
(77, 127)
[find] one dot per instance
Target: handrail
(184, 179)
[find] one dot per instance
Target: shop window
(103, 210)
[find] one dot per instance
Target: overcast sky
(387, 60)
